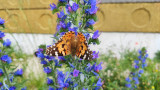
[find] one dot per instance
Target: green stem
(5, 72)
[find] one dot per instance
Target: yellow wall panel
(129, 17)
(26, 4)
(29, 21)
(119, 17)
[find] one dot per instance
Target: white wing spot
(56, 53)
(50, 54)
(54, 48)
(84, 56)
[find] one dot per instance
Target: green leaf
(54, 11)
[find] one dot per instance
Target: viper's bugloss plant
(139, 65)
(8, 75)
(68, 72)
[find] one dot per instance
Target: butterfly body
(71, 44)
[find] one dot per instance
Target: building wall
(123, 25)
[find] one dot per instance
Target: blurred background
(125, 25)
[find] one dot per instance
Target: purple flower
(2, 21)
(128, 79)
(75, 73)
(95, 34)
(12, 88)
(95, 55)
(51, 88)
(63, 25)
(7, 43)
(96, 74)
(99, 83)
(75, 7)
(49, 81)
(6, 58)
(19, 72)
(75, 85)
(1, 34)
(61, 58)
(61, 79)
(47, 70)
(53, 6)
(1, 72)
(128, 85)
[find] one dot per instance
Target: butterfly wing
(82, 50)
(62, 47)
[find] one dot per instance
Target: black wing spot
(63, 45)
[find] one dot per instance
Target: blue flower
(87, 35)
(63, 25)
(144, 65)
(128, 85)
(2, 21)
(136, 61)
(96, 74)
(1, 34)
(61, 79)
(49, 81)
(96, 88)
(96, 34)
(136, 66)
(53, 6)
(7, 43)
(40, 54)
(61, 14)
(141, 71)
(75, 73)
(91, 22)
(25, 88)
(58, 27)
(19, 72)
(47, 70)
(6, 58)
(75, 7)
(75, 85)
(1, 72)
(92, 2)
(11, 78)
(98, 67)
(12, 88)
(92, 10)
(71, 65)
(128, 79)
(43, 62)
(62, 1)
(51, 88)
(85, 89)
(57, 63)
(99, 82)
(95, 55)
(1, 84)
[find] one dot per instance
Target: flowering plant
(66, 72)
(8, 75)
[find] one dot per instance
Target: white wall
(109, 41)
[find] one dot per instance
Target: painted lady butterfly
(71, 44)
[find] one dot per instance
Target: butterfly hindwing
(82, 50)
